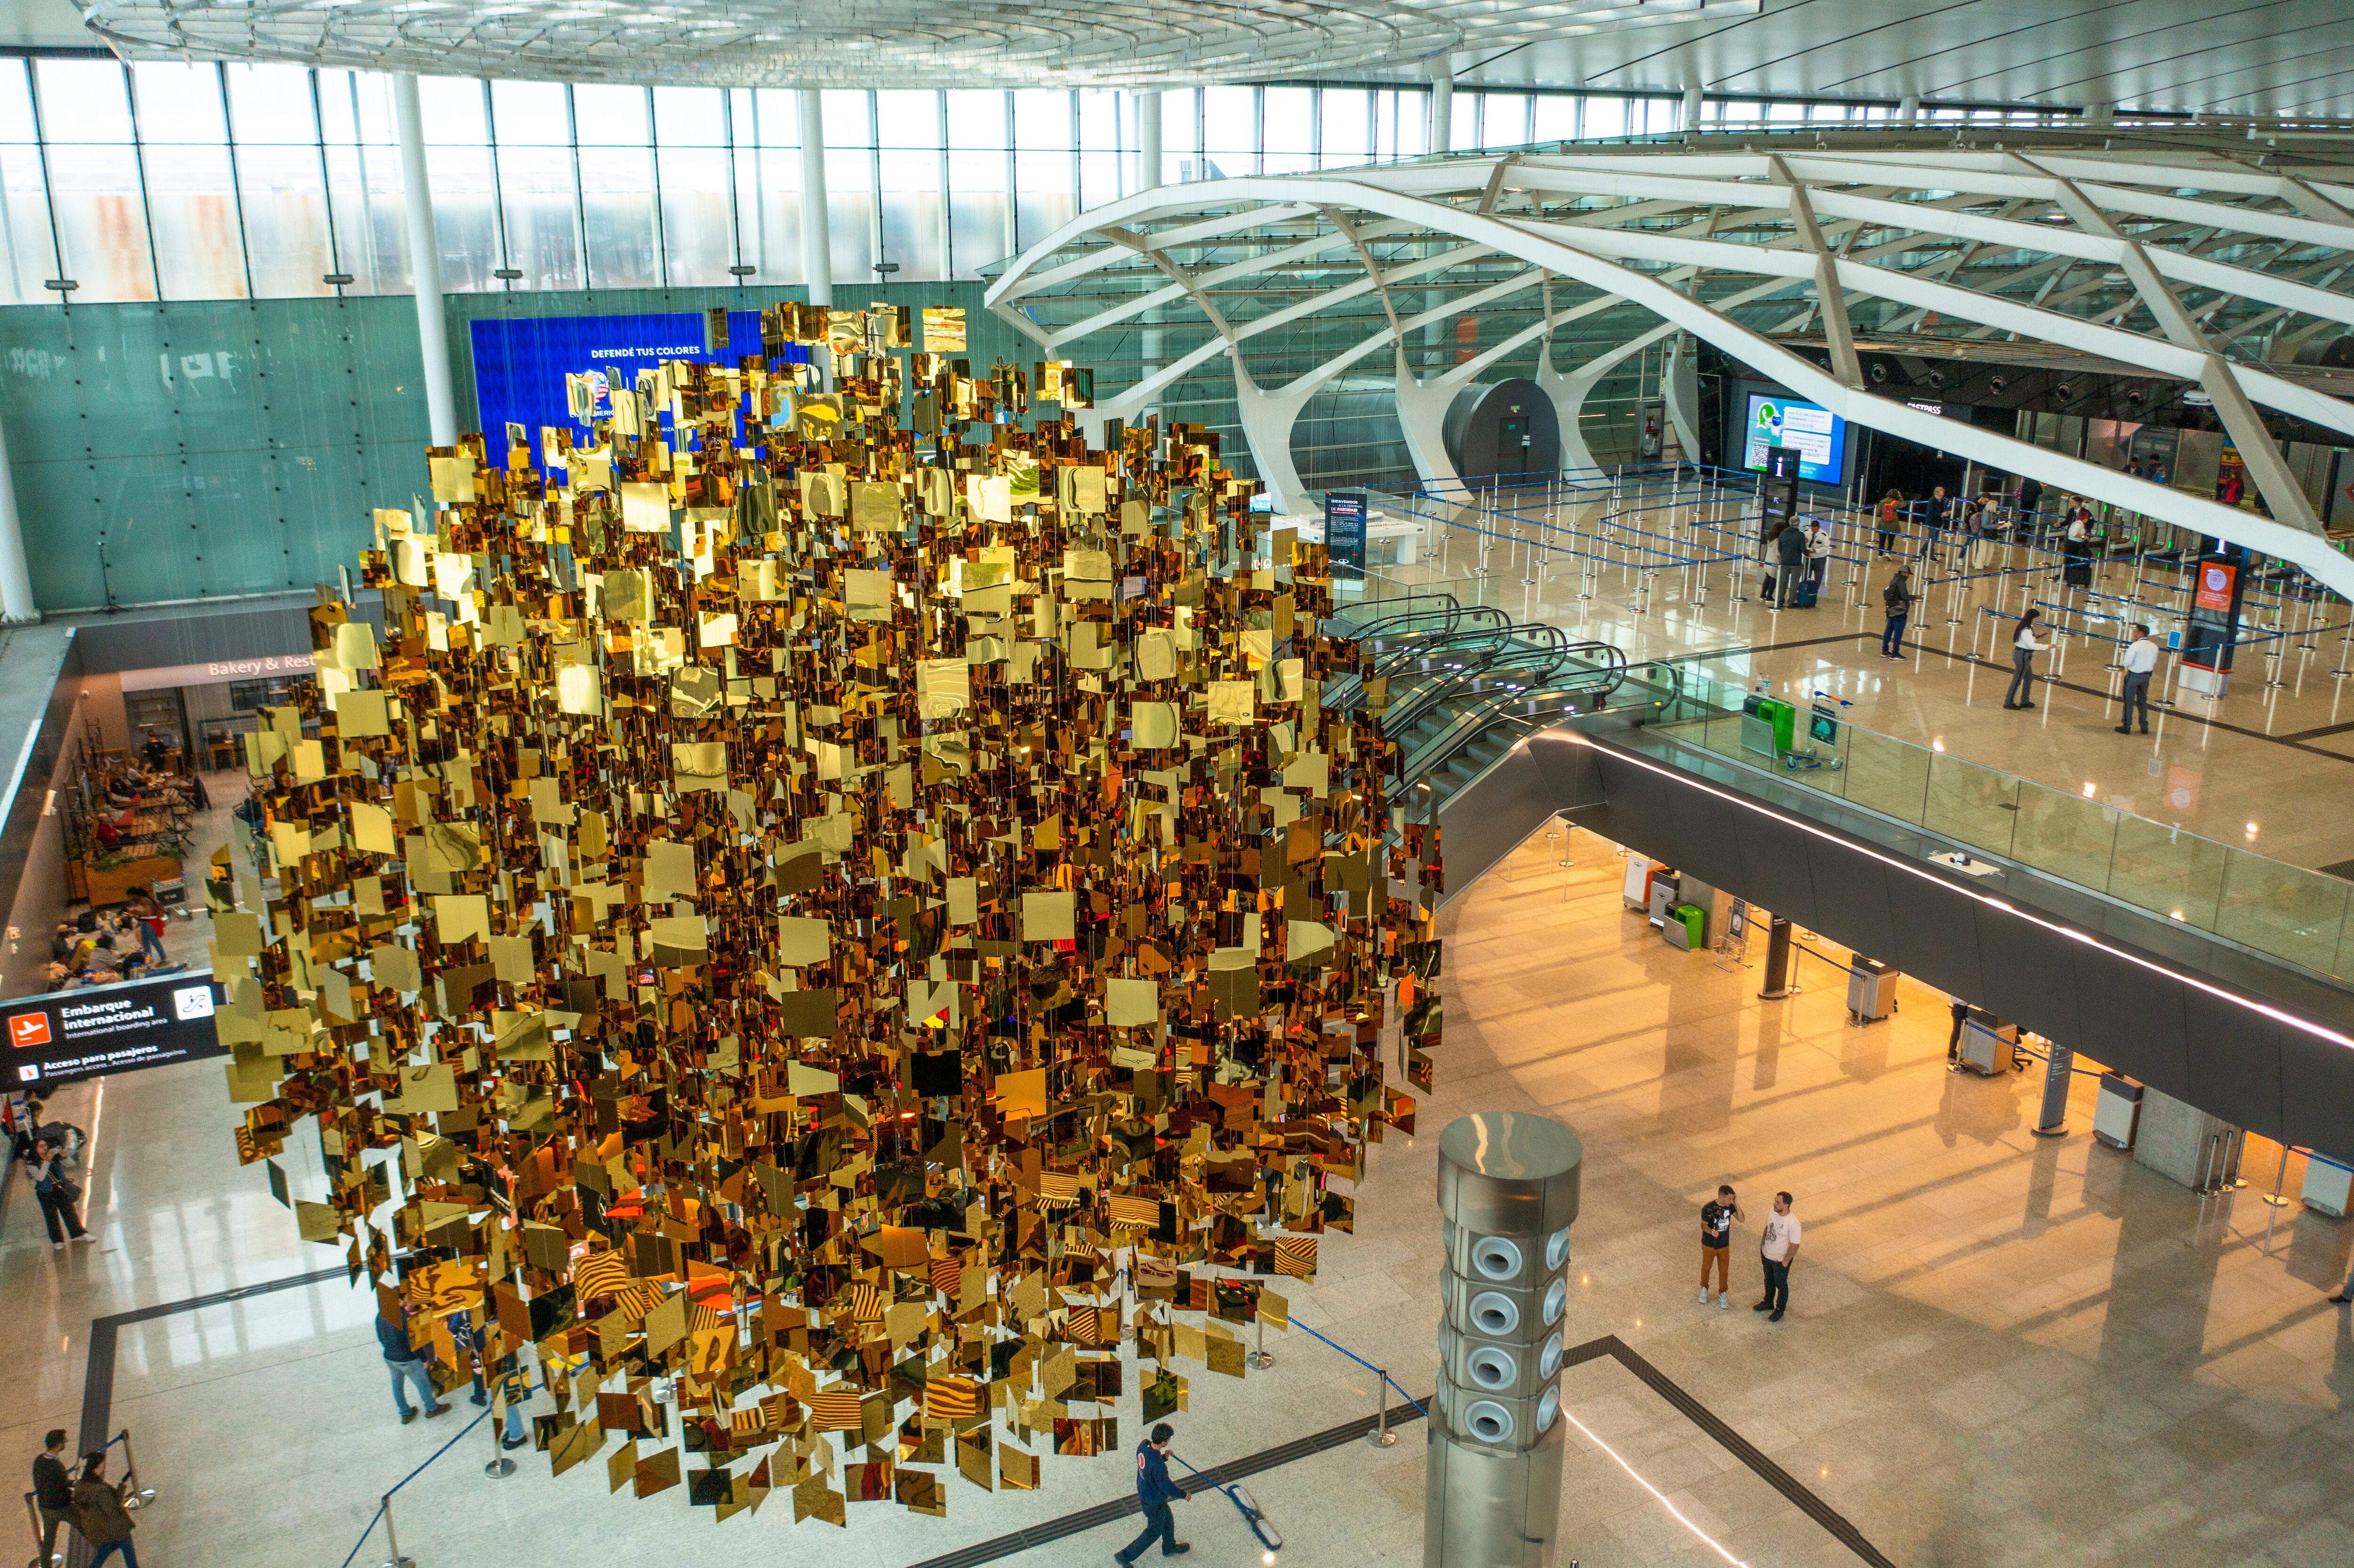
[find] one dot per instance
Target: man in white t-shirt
(2141, 661)
(1778, 1250)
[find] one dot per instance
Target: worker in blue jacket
(1156, 1491)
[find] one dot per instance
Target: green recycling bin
(1696, 924)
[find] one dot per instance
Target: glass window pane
(542, 230)
(285, 218)
(909, 120)
(977, 122)
(529, 115)
(178, 103)
(772, 205)
(1100, 177)
(1230, 127)
(374, 94)
(366, 191)
(1041, 120)
(1504, 120)
(102, 223)
(270, 104)
(452, 107)
(84, 101)
(335, 121)
(780, 121)
(977, 203)
(1181, 134)
(1555, 117)
(846, 121)
(1098, 122)
(1345, 127)
(1412, 125)
(689, 117)
(1463, 121)
(195, 219)
(696, 224)
(610, 117)
(911, 214)
(617, 198)
(24, 212)
(464, 218)
(1291, 130)
(1048, 201)
(850, 209)
(16, 102)
(1606, 117)
(1786, 112)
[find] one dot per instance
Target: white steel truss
(2203, 262)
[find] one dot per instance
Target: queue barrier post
(143, 1495)
(392, 1538)
(1381, 1437)
(33, 1518)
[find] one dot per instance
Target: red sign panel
(2215, 579)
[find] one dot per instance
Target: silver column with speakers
(1507, 1195)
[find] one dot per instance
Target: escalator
(1502, 728)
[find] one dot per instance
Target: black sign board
(71, 1035)
(1344, 533)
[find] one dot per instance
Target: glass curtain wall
(189, 181)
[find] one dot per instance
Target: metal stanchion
(392, 1540)
(1381, 1437)
(2280, 1180)
(501, 1466)
(140, 1496)
(1258, 1360)
(33, 1517)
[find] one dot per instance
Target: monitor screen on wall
(1819, 435)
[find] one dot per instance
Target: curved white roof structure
(2202, 261)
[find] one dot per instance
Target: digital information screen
(71, 1035)
(520, 363)
(1819, 434)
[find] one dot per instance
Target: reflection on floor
(2244, 770)
(2001, 1349)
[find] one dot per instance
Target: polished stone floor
(2002, 1350)
(2257, 758)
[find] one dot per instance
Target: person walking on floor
(1896, 599)
(2345, 1292)
(1891, 507)
(1778, 1250)
(1789, 555)
(2024, 647)
(1819, 554)
(1156, 1491)
(1716, 1244)
(99, 1512)
(2141, 662)
(406, 1363)
(59, 1194)
(53, 1491)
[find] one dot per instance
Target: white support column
(1442, 105)
(1908, 109)
(1692, 106)
(425, 265)
(2100, 114)
(817, 240)
(16, 580)
(1148, 140)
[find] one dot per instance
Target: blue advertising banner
(1344, 533)
(520, 364)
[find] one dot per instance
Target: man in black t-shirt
(1716, 1244)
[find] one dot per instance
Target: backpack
(1888, 513)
